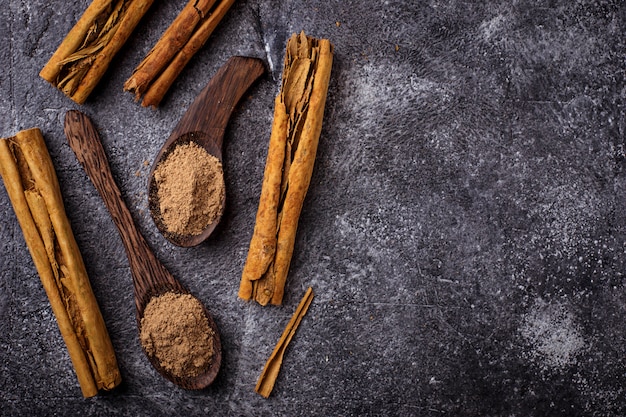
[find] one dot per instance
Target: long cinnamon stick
(263, 243)
(178, 44)
(32, 186)
(83, 57)
(268, 376)
(298, 116)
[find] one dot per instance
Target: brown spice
(190, 189)
(265, 384)
(178, 44)
(90, 46)
(31, 183)
(175, 331)
(296, 129)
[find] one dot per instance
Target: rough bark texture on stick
(174, 38)
(178, 44)
(83, 57)
(263, 243)
(31, 183)
(298, 116)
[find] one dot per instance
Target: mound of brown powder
(190, 189)
(175, 331)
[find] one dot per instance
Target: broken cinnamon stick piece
(298, 116)
(178, 44)
(83, 57)
(32, 186)
(268, 376)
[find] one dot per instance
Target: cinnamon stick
(32, 186)
(263, 244)
(298, 115)
(83, 57)
(268, 376)
(178, 44)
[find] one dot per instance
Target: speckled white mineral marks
(553, 335)
(492, 28)
(268, 54)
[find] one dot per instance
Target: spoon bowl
(150, 278)
(204, 140)
(204, 123)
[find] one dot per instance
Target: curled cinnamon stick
(83, 57)
(298, 115)
(263, 244)
(178, 44)
(32, 186)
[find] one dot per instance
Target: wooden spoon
(150, 278)
(205, 123)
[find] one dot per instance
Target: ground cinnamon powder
(175, 331)
(190, 189)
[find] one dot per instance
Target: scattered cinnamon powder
(175, 331)
(190, 189)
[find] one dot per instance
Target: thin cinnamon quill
(268, 376)
(298, 115)
(83, 57)
(32, 186)
(178, 44)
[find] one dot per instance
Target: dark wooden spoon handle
(150, 277)
(212, 108)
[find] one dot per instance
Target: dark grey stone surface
(464, 228)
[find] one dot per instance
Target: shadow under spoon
(150, 278)
(204, 123)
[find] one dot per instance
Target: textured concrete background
(464, 228)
